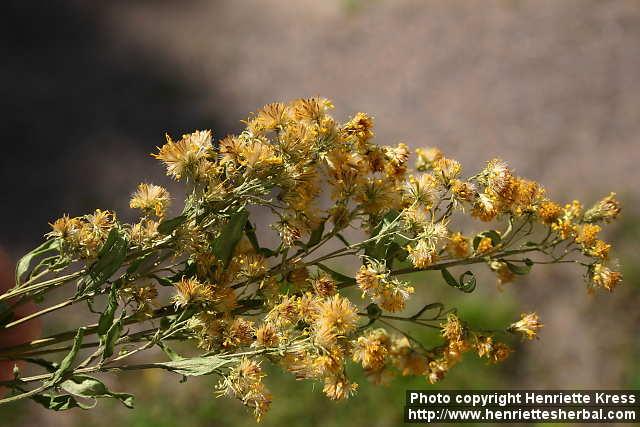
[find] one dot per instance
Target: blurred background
(88, 90)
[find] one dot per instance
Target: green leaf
(60, 402)
(250, 232)
(466, 283)
(492, 234)
(68, 360)
(106, 318)
(316, 235)
(231, 233)
(388, 244)
(433, 306)
(108, 341)
(166, 227)
(341, 279)
(384, 235)
(52, 245)
(92, 388)
(374, 311)
(451, 281)
(135, 264)
(195, 366)
(519, 269)
(110, 259)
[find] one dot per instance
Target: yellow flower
(587, 235)
(421, 191)
(463, 190)
(151, 199)
(499, 352)
(549, 212)
(285, 312)
(426, 157)
(270, 117)
(452, 330)
(267, 336)
(144, 232)
(525, 195)
(604, 277)
(565, 228)
(484, 208)
(407, 359)
(605, 210)
(310, 109)
(257, 153)
(484, 346)
(458, 246)
(65, 228)
(498, 176)
(484, 245)
(324, 286)
(338, 387)
(422, 255)
(378, 196)
(528, 325)
(191, 291)
(396, 166)
(337, 314)
(446, 169)
(183, 158)
(599, 249)
(369, 277)
(393, 297)
(240, 332)
(358, 129)
(245, 383)
(371, 349)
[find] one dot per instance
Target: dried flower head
(528, 325)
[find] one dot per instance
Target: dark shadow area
(63, 87)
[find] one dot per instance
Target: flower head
(185, 157)
(191, 291)
(605, 210)
(528, 325)
(151, 199)
(337, 314)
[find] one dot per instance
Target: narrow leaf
(195, 366)
(68, 360)
(433, 306)
(519, 269)
(316, 235)
(110, 259)
(166, 227)
(110, 338)
(106, 319)
(341, 279)
(231, 233)
(52, 245)
(60, 402)
(467, 282)
(89, 387)
(451, 281)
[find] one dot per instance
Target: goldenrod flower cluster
(247, 296)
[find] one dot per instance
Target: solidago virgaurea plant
(336, 199)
